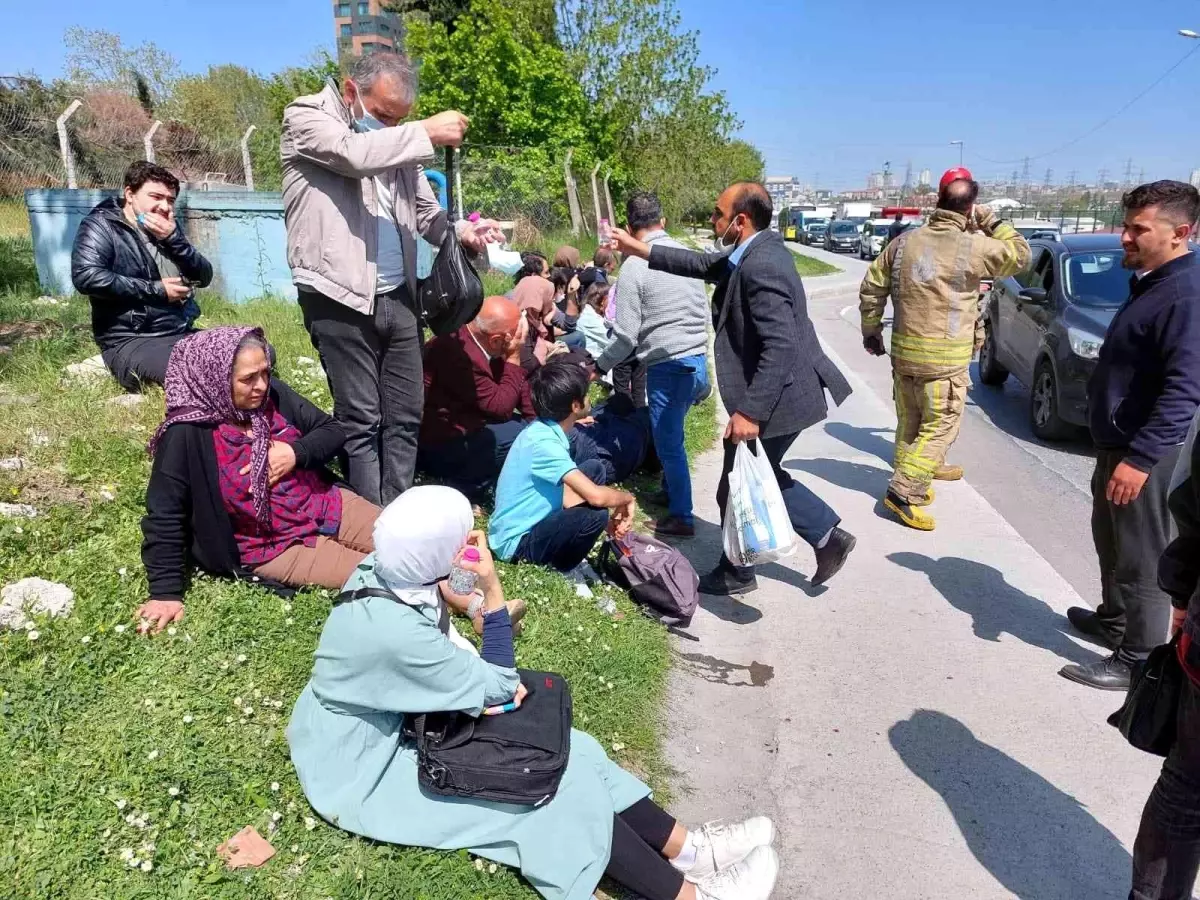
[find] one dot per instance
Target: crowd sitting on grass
(240, 488)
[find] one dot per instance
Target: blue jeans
(564, 538)
(671, 389)
(811, 516)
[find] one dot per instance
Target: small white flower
(133, 862)
(187, 720)
(309, 823)
(18, 529)
(152, 755)
(241, 657)
(287, 607)
(229, 720)
(224, 665)
(247, 710)
(147, 866)
(122, 571)
(276, 816)
(130, 819)
(126, 853)
(237, 701)
(29, 626)
(291, 805)
(289, 621)
(257, 694)
(172, 631)
(173, 791)
(274, 785)
(33, 635)
(279, 704)
(478, 865)
(617, 748)
(492, 869)
(149, 702)
(119, 629)
(86, 639)
(107, 495)
(295, 848)
(121, 804)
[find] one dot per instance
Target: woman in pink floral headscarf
(238, 485)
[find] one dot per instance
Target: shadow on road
(1039, 842)
(995, 606)
(1007, 407)
(853, 476)
(873, 441)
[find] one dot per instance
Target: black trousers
(136, 361)
(629, 378)
(636, 860)
(1129, 541)
(373, 363)
(1166, 854)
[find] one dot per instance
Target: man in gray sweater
(663, 320)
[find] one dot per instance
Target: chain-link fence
(50, 139)
(1066, 218)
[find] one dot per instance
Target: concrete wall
(241, 233)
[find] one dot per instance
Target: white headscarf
(416, 539)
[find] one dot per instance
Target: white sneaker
(577, 578)
(751, 879)
(589, 574)
(719, 846)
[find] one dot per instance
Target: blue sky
(834, 87)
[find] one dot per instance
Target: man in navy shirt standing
(1141, 400)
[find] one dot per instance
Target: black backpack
(515, 757)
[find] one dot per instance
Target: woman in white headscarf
(380, 658)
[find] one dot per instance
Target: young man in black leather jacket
(132, 260)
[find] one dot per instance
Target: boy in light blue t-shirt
(548, 510)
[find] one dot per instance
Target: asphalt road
(1041, 488)
(904, 725)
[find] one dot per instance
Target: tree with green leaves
(97, 58)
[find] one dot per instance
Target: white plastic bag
(757, 526)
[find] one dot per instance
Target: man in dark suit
(771, 370)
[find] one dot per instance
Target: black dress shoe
(673, 527)
(832, 556)
(1108, 674)
(722, 582)
(1090, 625)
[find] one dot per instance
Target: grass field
(114, 742)
(809, 267)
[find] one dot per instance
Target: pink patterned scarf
(199, 389)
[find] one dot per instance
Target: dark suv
(1045, 325)
(842, 236)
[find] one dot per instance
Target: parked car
(842, 236)
(1046, 325)
(814, 234)
(874, 236)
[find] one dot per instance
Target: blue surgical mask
(367, 122)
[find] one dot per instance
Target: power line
(1071, 143)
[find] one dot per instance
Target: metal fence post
(458, 197)
(612, 218)
(64, 143)
(148, 140)
(572, 194)
(249, 170)
(596, 196)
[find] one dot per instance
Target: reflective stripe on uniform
(942, 351)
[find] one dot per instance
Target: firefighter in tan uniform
(932, 274)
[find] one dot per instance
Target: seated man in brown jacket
(476, 399)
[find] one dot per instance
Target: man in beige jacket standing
(355, 199)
